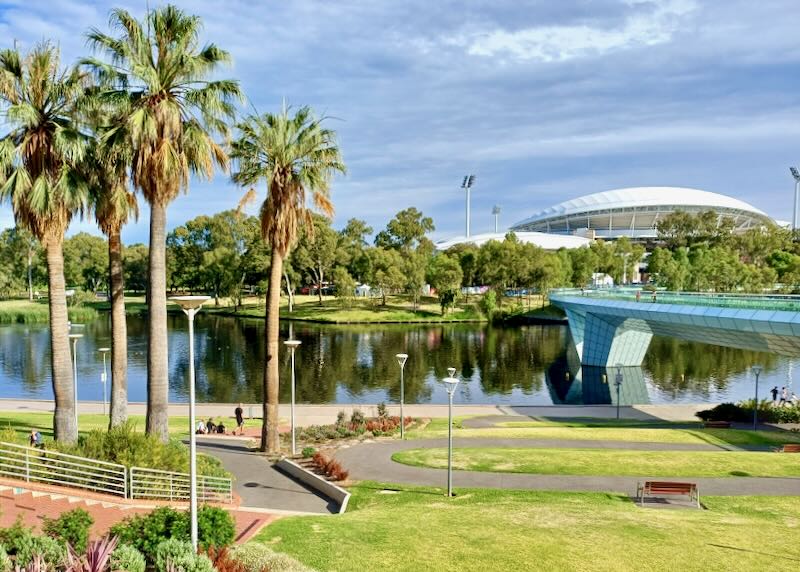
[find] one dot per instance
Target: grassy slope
(610, 462)
(482, 530)
(25, 312)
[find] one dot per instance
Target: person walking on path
(784, 397)
(239, 412)
(774, 392)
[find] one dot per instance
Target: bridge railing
(773, 302)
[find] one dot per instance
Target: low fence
(60, 469)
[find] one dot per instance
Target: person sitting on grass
(221, 428)
(201, 428)
(36, 440)
(211, 427)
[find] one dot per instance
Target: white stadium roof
(635, 211)
(540, 239)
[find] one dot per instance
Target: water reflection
(338, 364)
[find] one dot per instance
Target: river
(518, 365)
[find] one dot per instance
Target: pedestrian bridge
(615, 326)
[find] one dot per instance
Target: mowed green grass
(482, 530)
(605, 430)
(608, 462)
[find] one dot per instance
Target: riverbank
(38, 312)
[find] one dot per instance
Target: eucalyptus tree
(296, 157)
(41, 148)
(162, 72)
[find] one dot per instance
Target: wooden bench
(666, 488)
(789, 448)
(717, 424)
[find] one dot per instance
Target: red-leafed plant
(96, 558)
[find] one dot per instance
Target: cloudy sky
(542, 100)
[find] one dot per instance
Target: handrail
(159, 484)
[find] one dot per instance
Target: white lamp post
(618, 383)
(292, 345)
(75, 338)
(756, 370)
(104, 376)
(450, 384)
(190, 306)
(401, 359)
(451, 371)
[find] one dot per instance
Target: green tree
(295, 156)
(345, 285)
(86, 262)
(41, 147)
(445, 276)
(134, 263)
(315, 252)
(387, 270)
(173, 112)
(406, 231)
(351, 248)
(20, 262)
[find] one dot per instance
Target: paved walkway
(259, 483)
(373, 461)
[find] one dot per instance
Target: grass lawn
(25, 312)
(611, 462)
(605, 430)
(418, 529)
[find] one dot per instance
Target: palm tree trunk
(157, 365)
(119, 332)
(269, 426)
(64, 425)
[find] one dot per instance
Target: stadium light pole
(401, 360)
(756, 370)
(292, 345)
(190, 306)
(466, 184)
(104, 375)
(796, 175)
(496, 213)
(450, 384)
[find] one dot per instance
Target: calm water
(356, 364)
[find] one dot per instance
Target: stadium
(635, 212)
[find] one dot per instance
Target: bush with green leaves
(215, 527)
(126, 558)
(146, 531)
(71, 527)
(742, 412)
(308, 452)
(8, 435)
(52, 551)
(175, 555)
(15, 536)
(5, 560)
(257, 557)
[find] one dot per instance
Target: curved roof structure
(540, 239)
(635, 211)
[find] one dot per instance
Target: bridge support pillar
(607, 340)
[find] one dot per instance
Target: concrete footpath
(322, 414)
(373, 461)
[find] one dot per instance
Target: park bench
(717, 424)
(665, 488)
(789, 448)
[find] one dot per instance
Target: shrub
(9, 435)
(382, 412)
(340, 418)
(15, 536)
(126, 558)
(5, 562)
(71, 527)
(178, 556)
(743, 413)
(308, 452)
(145, 532)
(52, 552)
(95, 559)
(223, 561)
(257, 557)
(357, 418)
(215, 527)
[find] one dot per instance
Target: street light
(190, 306)
(756, 370)
(467, 185)
(75, 338)
(451, 371)
(796, 176)
(450, 384)
(104, 375)
(292, 345)
(401, 359)
(618, 383)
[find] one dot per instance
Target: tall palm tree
(296, 157)
(39, 157)
(162, 71)
(113, 204)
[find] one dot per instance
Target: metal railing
(168, 485)
(53, 468)
(60, 469)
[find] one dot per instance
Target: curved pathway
(373, 461)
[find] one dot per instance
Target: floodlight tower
(796, 176)
(496, 213)
(467, 185)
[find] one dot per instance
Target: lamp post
(618, 383)
(292, 345)
(75, 338)
(467, 185)
(104, 376)
(451, 372)
(190, 306)
(401, 360)
(756, 370)
(796, 176)
(450, 384)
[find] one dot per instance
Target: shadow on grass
(770, 554)
(399, 489)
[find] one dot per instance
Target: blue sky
(543, 101)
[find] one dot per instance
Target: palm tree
(295, 156)
(113, 204)
(39, 156)
(161, 70)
